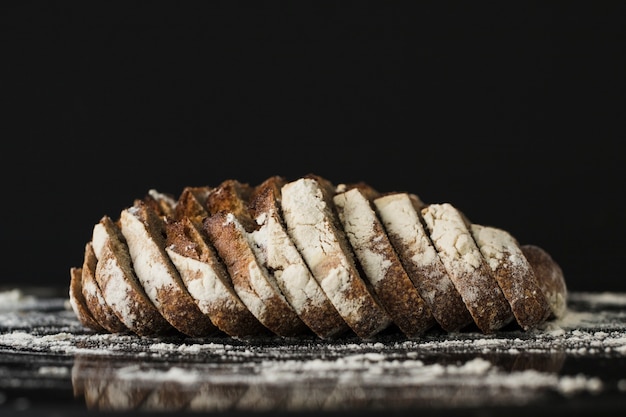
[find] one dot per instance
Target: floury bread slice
(78, 303)
(94, 299)
(380, 263)
(120, 287)
(144, 232)
(278, 254)
(229, 227)
(400, 215)
(207, 280)
(550, 278)
(313, 226)
(514, 275)
(466, 267)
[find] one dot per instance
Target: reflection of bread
(307, 257)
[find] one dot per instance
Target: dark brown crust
(192, 203)
(395, 291)
(232, 196)
(446, 306)
(321, 317)
(94, 299)
(146, 319)
(175, 303)
(230, 315)
(234, 249)
(78, 303)
(549, 277)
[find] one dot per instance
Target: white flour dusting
(439, 369)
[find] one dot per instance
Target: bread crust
(207, 280)
(313, 225)
(144, 232)
(380, 263)
(514, 275)
(94, 298)
(401, 218)
(120, 287)
(466, 267)
(250, 279)
(279, 255)
(78, 303)
(549, 277)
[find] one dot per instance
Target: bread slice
(78, 303)
(380, 263)
(120, 287)
(280, 257)
(466, 267)
(144, 232)
(514, 275)
(400, 215)
(207, 280)
(94, 299)
(550, 278)
(314, 227)
(229, 227)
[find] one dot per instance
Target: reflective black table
(51, 365)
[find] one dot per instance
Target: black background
(511, 111)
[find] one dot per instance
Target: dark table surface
(50, 365)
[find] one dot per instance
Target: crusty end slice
(313, 226)
(254, 286)
(208, 281)
(279, 255)
(400, 215)
(78, 303)
(514, 275)
(144, 232)
(119, 284)
(466, 267)
(550, 278)
(380, 263)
